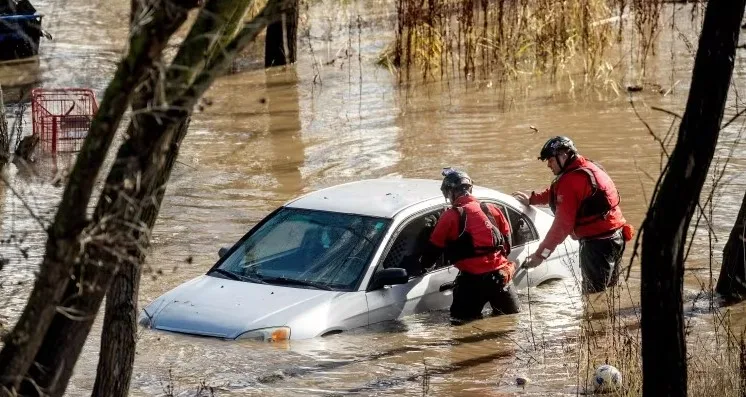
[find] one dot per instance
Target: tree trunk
(666, 225)
(63, 244)
(281, 40)
(118, 340)
(109, 239)
(4, 134)
(732, 281)
(118, 343)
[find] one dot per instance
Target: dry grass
(611, 335)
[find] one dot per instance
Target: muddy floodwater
(336, 117)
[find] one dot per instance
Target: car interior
(410, 242)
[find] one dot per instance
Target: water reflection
(285, 128)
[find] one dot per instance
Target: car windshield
(307, 249)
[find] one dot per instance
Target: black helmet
(555, 144)
(454, 180)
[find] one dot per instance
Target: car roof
(379, 197)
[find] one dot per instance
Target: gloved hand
(430, 221)
(628, 231)
(507, 272)
(424, 236)
(532, 261)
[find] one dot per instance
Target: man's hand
(507, 273)
(430, 221)
(532, 261)
(522, 197)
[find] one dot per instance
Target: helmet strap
(455, 195)
(569, 159)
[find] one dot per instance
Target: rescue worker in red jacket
(474, 237)
(585, 203)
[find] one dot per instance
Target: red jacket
(570, 189)
(447, 230)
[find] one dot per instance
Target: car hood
(224, 308)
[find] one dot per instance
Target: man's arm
(442, 233)
(541, 198)
(569, 195)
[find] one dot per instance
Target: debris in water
(607, 379)
(27, 146)
(634, 88)
(273, 377)
(522, 381)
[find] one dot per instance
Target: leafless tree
(84, 255)
(667, 221)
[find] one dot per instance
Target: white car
(335, 259)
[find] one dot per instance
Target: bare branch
(666, 111)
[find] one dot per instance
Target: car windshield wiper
(238, 277)
(232, 276)
(285, 280)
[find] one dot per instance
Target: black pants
(600, 260)
(472, 292)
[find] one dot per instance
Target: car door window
(409, 243)
(522, 230)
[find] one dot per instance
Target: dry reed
(505, 39)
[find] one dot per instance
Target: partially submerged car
(341, 258)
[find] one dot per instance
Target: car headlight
(273, 334)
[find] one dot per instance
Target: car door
(423, 292)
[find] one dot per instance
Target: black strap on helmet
(552, 148)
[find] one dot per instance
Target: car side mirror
(222, 251)
(390, 276)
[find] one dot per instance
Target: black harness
(463, 247)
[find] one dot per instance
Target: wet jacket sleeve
(445, 230)
(541, 198)
(570, 192)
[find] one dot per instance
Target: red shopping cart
(61, 117)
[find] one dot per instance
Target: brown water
(272, 135)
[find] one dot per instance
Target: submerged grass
(504, 39)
